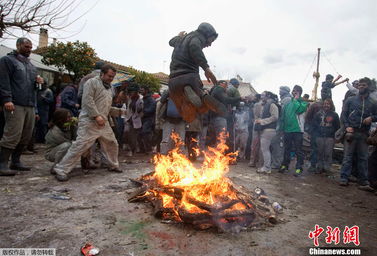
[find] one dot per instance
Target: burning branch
(202, 197)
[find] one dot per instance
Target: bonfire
(203, 197)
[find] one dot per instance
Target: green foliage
(144, 78)
(77, 58)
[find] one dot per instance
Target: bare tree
(30, 15)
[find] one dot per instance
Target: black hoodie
(188, 53)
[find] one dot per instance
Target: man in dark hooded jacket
(185, 85)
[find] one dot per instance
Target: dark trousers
(249, 139)
(357, 144)
(293, 143)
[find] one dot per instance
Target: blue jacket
(17, 80)
(69, 99)
(355, 110)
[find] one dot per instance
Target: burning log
(203, 198)
(139, 195)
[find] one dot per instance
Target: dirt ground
(98, 212)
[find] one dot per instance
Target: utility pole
(316, 75)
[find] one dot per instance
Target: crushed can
(89, 250)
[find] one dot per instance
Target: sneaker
(264, 170)
(192, 96)
(366, 188)
(115, 169)
(62, 177)
(251, 164)
(298, 172)
(283, 169)
(343, 182)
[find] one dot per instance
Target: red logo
(333, 235)
(350, 235)
(315, 234)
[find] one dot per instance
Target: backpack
(172, 110)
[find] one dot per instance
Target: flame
(207, 185)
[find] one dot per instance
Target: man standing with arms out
(185, 85)
(94, 124)
(18, 87)
(292, 124)
(327, 86)
(357, 115)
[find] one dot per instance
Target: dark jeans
(293, 143)
(41, 127)
(119, 128)
(357, 144)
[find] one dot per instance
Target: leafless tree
(30, 15)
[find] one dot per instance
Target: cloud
(239, 50)
(273, 58)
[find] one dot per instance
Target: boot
(15, 162)
(192, 96)
(4, 158)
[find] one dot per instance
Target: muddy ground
(98, 212)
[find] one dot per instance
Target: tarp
(121, 77)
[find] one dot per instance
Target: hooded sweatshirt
(188, 53)
(293, 116)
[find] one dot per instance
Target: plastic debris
(89, 250)
(60, 197)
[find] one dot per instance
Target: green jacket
(293, 116)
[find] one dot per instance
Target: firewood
(139, 194)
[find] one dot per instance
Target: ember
(202, 197)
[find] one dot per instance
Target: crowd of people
(91, 120)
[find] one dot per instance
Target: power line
(311, 66)
(328, 60)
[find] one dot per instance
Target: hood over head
(207, 30)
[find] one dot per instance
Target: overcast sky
(267, 43)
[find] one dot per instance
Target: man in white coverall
(94, 124)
